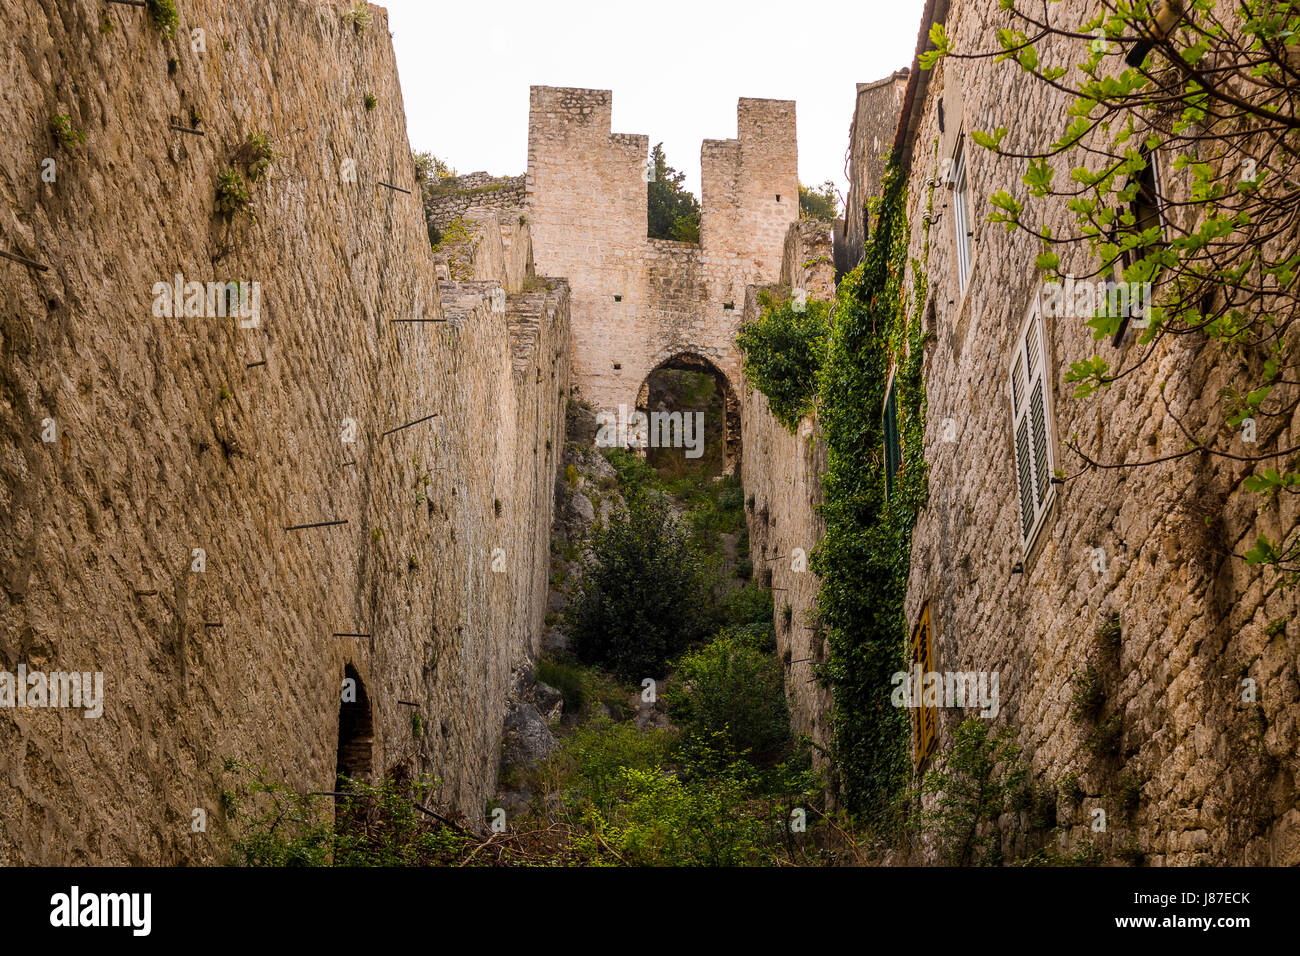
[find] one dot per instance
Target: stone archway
(687, 361)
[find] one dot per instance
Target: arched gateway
(638, 304)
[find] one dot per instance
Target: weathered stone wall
(639, 303)
(183, 433)
(871, 138)
(782, 472)
(451, 198)
(491, 245)
(1216, 775)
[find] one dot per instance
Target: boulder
(548, 701)
(528, 739)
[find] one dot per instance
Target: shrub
(589, 764)
(581, 686)
(783, 351)
(358, 17)
(665, 821)
(641, 598)
(1104, 740)
(730, 686)
(370, 101)
(751, 604)
(162, 13)
(1071, 789)
(64, 133)
(977, 782)
(457, 241)
(1089, 695)
(255, 155)
(233, 195)
(374, 825)
(634, 475)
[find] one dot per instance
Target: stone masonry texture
(640, 303)
(181, 433)
(1214, 776)
(783, 485)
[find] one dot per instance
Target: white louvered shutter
(1031, 415)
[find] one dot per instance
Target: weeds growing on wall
(163, 15)
(863, 560)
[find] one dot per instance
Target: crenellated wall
(639, 303)
(178, 433)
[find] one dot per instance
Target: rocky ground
(586, 491)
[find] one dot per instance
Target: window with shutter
(893, 444)
(961, 215)
(1031, 419)
(925, 720)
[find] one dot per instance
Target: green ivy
(863, 560)
(783, 351)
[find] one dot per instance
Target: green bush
(730, 686)
(784, 351)
(589, 764)
(374, 825)
(978, 780)
(634, 475)
(665, 821)
(751, 604)
(581, 687)
(163, 15)
(63, 130)
(233, 195)
(641, 599)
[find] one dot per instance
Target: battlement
(639, 302)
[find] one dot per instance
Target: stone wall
(1216, 775)
(871, 138)
(782, 472)
(639, 303)
(173, 434)
(450, 198)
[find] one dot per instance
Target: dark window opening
(618, 298)
(728, 305)
(618, 365)
(778, 197)
(1147, 214)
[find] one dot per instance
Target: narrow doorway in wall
(356, 731)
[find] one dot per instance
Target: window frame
(1127, 258)
(961, 214)
(925, 720)
(1041, 475)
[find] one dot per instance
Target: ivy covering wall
(863, 561)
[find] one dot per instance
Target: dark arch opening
(356, 733)
(675, 385)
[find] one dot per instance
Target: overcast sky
(676, 70)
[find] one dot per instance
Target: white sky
(676, 69)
